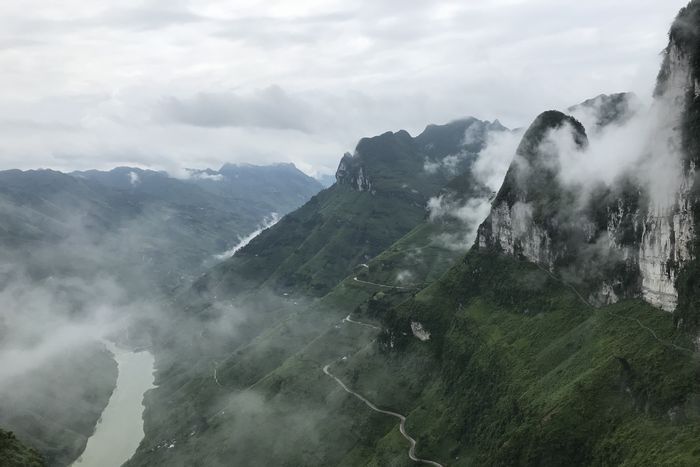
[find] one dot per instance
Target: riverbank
(120, 428)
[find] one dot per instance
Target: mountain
(199, 217)
(280, 187)
(545, 344)
(606, 109)
(396, 180)
(380, 194)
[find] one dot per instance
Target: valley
(462, 295)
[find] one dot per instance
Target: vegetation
(518, 369)
(15, 454)
(529, 374)
(314, 248)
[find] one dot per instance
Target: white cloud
(101, 84)
(134, 178)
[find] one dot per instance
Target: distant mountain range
(200, 216)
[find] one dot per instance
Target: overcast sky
(169, 84)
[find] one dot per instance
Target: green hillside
(380, 195)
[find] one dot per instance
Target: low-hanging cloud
(492, 164)
(645, 147)
(489, 169)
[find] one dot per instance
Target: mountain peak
(606, 109)
(546, 122)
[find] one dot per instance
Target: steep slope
(519, 370)
(281, 366)
(390, 177)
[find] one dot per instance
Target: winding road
(402, 419)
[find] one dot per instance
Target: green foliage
(529, 375)
(15, 454)
(314, 248)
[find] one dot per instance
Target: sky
(175, 84)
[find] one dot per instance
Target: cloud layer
(173, 84)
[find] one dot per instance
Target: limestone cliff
(636, 237)
(532, 206)
(351, 172)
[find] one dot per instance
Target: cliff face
(396, 162)
(643, 226)
(532, 207)
(351, 172)
(670, 225)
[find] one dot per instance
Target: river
(120, 429)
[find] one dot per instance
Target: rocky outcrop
(419, 331)
(511, 229)
(352, 173)
(529, 207)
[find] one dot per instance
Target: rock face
(512, 229)
(419, 331)
(669, 224)
(530, 204)
(351, 172)
(639, 233)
